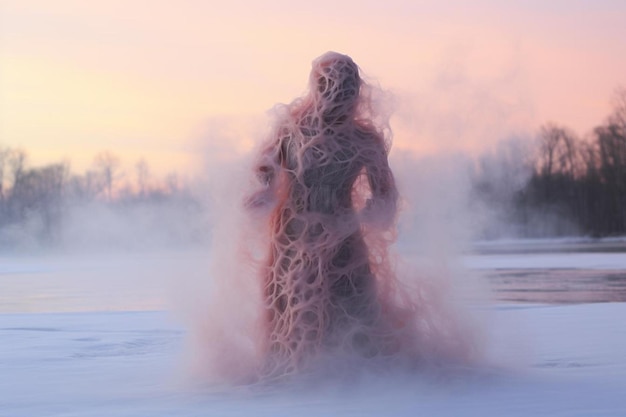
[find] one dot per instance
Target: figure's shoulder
(282, 130)
(367, 132)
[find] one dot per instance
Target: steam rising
(254, 319)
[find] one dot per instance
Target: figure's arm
(380, 209)
(266, 171)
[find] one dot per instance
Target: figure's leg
(353, 285)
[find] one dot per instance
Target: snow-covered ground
(92, 337)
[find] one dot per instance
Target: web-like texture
(327, 282)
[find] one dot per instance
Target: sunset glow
(145, 79)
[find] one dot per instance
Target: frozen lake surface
(91, 337)
(554, 271)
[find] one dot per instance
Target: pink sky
(152, 79)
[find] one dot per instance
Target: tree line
(575, 185)
(37, 203)
(561, 184)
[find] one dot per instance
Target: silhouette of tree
(143, 176)
(108, 167)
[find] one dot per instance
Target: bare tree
(17, 164)
(85, 187)
(559, 152)
(107, 166)
(618, 117)
(4, 157)
(143, 176)
(612, 140)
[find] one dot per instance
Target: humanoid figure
(325, 178)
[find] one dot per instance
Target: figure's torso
(322, 168)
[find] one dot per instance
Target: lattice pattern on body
(325, 172)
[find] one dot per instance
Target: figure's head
(335, 82)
